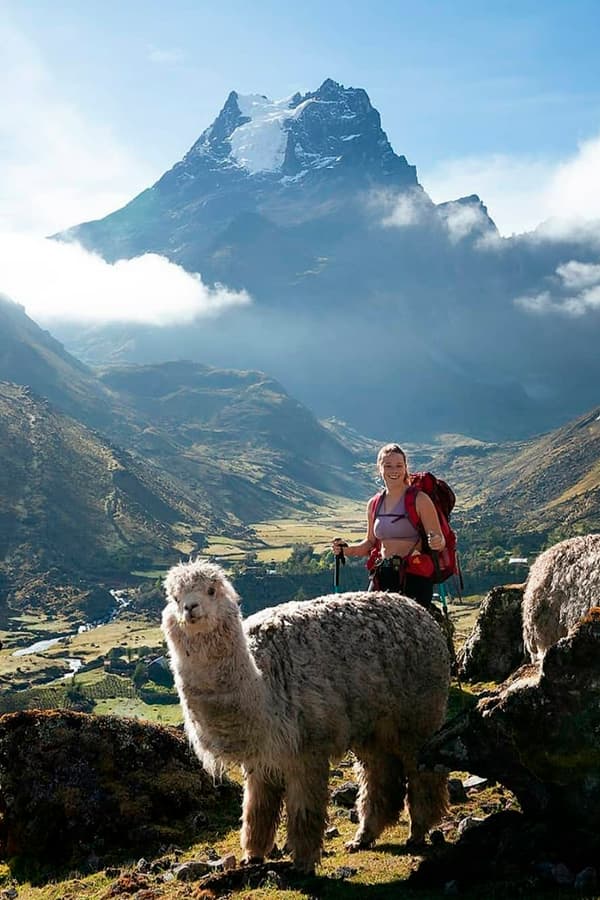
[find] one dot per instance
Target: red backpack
(442, 495)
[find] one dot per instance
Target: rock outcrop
(494, 649)
(539, 735)
(81, 790)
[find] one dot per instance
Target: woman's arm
(430, 521)
(362, 549)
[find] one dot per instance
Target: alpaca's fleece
(563, 584)
(300, 684)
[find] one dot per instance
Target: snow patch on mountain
(260, 144)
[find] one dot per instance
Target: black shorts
(390, 575)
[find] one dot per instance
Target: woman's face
(393, 469)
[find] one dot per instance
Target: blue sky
(99, 97)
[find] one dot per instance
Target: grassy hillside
(549, 485)
(74, 507)
(31, 356)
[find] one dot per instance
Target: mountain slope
(73, 506)
(171, 407)
(237, 436)
(31, 356)
(553, 483)
(178, 451)
(546, 488)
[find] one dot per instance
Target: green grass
(134, 708)
(380, 873)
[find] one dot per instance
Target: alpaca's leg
(306, 795)
(427, 802)
(262, 809)
(382, 788)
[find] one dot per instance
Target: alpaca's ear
(170, 588)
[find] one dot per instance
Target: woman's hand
(435, 540)
(338, 546)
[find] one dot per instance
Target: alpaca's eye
(210, 591)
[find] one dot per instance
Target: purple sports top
(394, 525)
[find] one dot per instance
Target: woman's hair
(391, 448)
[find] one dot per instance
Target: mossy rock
(75, 787)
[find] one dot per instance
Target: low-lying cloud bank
(63, 281)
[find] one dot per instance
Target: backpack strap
(410, 504)
(374, 507)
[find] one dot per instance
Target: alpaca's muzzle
(191, 611)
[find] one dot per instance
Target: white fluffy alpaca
(563, 584)
(297, 685)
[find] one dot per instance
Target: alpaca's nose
(189, 606)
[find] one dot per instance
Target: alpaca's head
(200, 595)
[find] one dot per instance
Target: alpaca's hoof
(253, 860)
(356, 845)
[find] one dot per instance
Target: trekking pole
(340, 559)
(450, 628)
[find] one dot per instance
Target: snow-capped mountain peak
(330, 128)
(260, 143)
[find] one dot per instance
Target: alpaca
(562, 585)
(299, 684)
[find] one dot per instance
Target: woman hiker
(394, 545)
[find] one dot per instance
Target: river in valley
(122, 601)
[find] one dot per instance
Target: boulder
(495, 648)
(537, 734)
(75, 787)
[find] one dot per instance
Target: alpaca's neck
(225, 692)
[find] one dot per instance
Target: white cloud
(58, 168)
(573, 191)
(512, 189)
(521, 192)
(463, 218)
(544, 303)
(406, 211)
(414, 207)
(572, 276)
(55, 280)
(576, 275)
(165, 56)
(399, 210)
(536, 303)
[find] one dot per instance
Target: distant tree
(76, 699)
(301, 560)
(140, 674)
(302, 553)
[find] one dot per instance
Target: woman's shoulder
(372, 501)
(422, 499)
